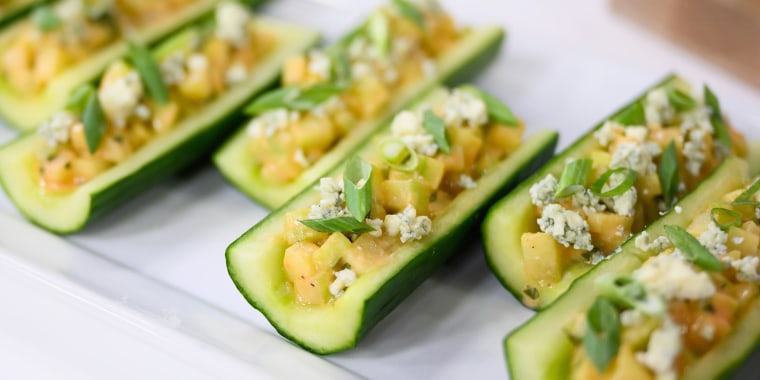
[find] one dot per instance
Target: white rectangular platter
(157, 264)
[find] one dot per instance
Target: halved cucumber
(475, 49)
(255, 260)
(540, 349)
(27, 112)
(191, 138)
(514, 215)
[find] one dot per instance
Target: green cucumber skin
(407, 278)
(12, 14)
(541, 338)
(271, 197)
(490, 248)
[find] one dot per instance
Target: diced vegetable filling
(681, 303)
(347, 85)
(393, 196)
(59, 36)
(147, 96)
(652, 154)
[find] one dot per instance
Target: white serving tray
(154, 270)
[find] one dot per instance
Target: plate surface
(160, 259)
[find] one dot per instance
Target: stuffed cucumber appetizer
(147, 117)
(333, 100)
(63, 44)
(680, 301)
(610, 184)
(330, 264)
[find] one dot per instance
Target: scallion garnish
(397, 154)
(725, 218)
(340, 224)
(378, 31)
(410, 11)
(94, 122)
(78, 99)
(601, 340)
(680, 100)
(497, 110)
(745, 198)
(574, 178)
(633, 115)
(341, 67)
(668, 173)
(436, 127)
(716, 119)
(628, 293)
(294, 98)
(45, 18)
(627, 183)
(692, 249)
(357, 187)
(150, 74)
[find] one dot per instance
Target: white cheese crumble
(596, 258)
(407, 126)
(232, 22)
(644, 243)
(608, 132)
(56, 130)
(120, 98)
(587, 201)
(708, 332)
(464, 108)
(623, 204)
(467, 182)
(197, 62)
(663, 348)
(714, 239)
(377, 224)
(428, 67)
(70, 11)
(343, 279)
(678, 209)
(566, 227)
(319, 64)
(631, 317)
(268, 123)
(738, 240)
(635, 155)
(173, 68)
(235, 74)
(300, 158)
(542, 192)
(670, 276)
(143, 111)
(746, 268)
(408, 225)
(331, 204)
(657, 107)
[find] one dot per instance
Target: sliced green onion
(341, 66)
(340, 224)
(497, 110)
(680, 100)
(294, 98)
(436, 127)
(397, 154)
(716, 119)
(633, 115)
(150, 74)
(410, 11)
(45, 18)
(725, 218)
(574, 178)
(692, 249)
(357, 187)
(745, 198)
(628, 293)
(379, 33)
(628, 181)
(601, 340)
(94, 122)
(668, 173)
(78, 99)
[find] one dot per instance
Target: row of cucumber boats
(638, 244)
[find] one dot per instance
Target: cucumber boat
(401, 52)
(608, 185)
(145, 119)
(652, 312)
(63, 44)
(324, 273)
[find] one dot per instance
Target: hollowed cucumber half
(190, 139)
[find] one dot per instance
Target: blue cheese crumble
(268, 123)
(331, 204)
(542, 192)
(670, 276)
(121, 97)
(566, 227)
(343, 279)
(232, 20)
(408, 225)
(56, 130)
(464, 108)
(407, 126)
(662, 349)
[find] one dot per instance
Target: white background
(565, 65)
